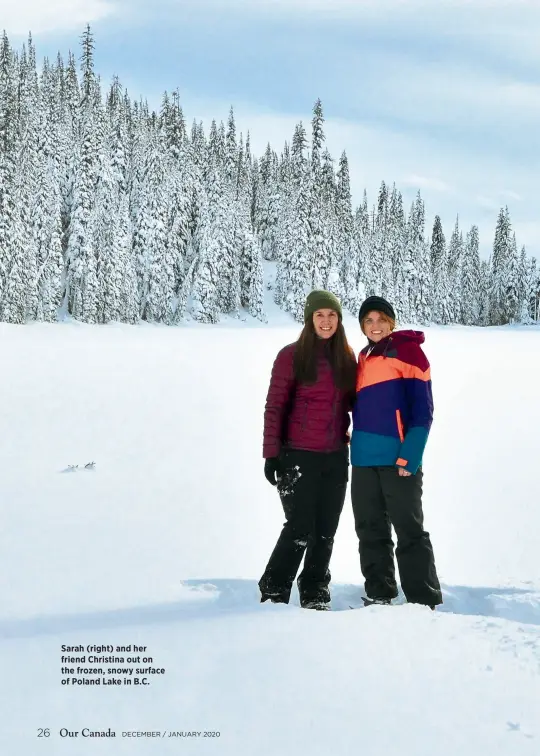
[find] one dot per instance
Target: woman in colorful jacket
(306, 452)
(392, 418)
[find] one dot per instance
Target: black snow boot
(275, 598)
(376, 601)
(320, 606)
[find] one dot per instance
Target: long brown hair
(340, 355)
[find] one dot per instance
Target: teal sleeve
(412, 449)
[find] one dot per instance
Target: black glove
(271, 470)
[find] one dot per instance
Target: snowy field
(162, 543)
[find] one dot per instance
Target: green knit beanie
(321, 300)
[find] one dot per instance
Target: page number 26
(43, 732)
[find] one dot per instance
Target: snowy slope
(162, 544)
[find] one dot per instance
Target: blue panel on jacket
(373, 450)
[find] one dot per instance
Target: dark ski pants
(312, 488)
(381, 498)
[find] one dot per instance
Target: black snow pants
(381, 498)
(312, 488)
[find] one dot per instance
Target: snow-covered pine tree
(8, 162)
(20, 295)
(245, 172)
(533, 288)
(318, 137)
(205, 305)
(514, 294)
(484, 293)
(151, 234)
(454, 262)
(395, 250)
(231, 149)
(417, 265)
(359, 272)
(421, 299)
(285, 168)
(183, 186)
(255, 189)
(500, 272)
(344, 234)
(267, 205)
(123, 251)
(526, 268)
(295, 267)
(255, 302)
(438, 245)
(470, 275)
(296, 256)
(382, 281)
(50, 220)
(251, 268)
(81, 275)
(198, 143)
(239, 169)
(46, 223)
(331, 264)
(298, 157)
(319, 254)
(172, 127)
(523, 271)
(216, 287)
(221, 148)
(212, 150)
(442, 297)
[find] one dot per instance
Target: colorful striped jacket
(393, 412)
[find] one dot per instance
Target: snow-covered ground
(162, 543)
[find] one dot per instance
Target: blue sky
(439, 96)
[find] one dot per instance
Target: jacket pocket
(400, 426)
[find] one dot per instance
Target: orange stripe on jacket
(400, 426)
(380, 369)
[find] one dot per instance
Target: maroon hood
(402, 341)
(400, 337)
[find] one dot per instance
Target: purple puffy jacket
(314, 418)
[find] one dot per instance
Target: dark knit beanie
(376, 303)
(321, 300)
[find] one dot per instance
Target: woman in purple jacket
(306, 453)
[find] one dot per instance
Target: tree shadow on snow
(200, 599)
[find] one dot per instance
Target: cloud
(499, 200)
(512, 195)
(488, 202)
(482, 19)
(491, 33)
(39, 16)
(448, 96)
(425, 182)
(360, 8)
(528, 235)
(455, 75)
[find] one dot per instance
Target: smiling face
(325, 323)
(376, 326)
